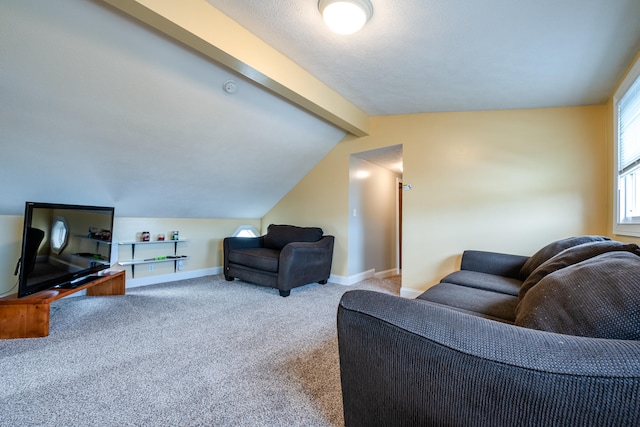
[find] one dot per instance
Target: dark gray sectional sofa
(508, 340)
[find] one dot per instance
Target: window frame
(624, 228)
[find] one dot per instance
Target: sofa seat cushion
(462, 310)
(278, 236)
(553, 249)
(574, 255)
(483, 302)
(489, 282)
(598, 298)
(264, 259)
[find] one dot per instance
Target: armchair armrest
(305, 262)
(496, 263)
(413, 362)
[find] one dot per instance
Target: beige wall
(498, 180)
(204, 246)
(321, 199)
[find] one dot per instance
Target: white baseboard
(351, 280)
(387, 273)
(340, 280)
(409, 293)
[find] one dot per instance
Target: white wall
(97, 109)
(10, 244)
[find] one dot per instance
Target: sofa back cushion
(598, 297)
(574, 255)
(553, 249)
(278, 236)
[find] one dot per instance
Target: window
(626, 110)
(245, 231)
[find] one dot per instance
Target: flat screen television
(62, 245)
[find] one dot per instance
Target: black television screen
(62, 244)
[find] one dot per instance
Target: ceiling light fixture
(345, 16)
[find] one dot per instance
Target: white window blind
(626, 119)
(629, 129)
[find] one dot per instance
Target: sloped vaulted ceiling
(99, 109)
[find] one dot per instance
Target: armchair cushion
(278, 236)
(259, 258)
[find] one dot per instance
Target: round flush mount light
(345, 16)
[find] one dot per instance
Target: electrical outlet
(180, 265)
(150, 267)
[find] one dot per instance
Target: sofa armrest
(496, 263)
(305, 262)
(411, 362)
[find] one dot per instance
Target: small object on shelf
(175, 235)
(160, 237)
(146, 236)
(175, 258)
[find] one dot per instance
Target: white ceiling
(457, 55)
(96, 108)
(385, 157)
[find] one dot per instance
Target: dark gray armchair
(285, 258)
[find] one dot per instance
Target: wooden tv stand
(28, 317)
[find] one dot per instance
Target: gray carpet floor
(199, 352)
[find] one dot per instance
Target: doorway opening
(375, 208)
